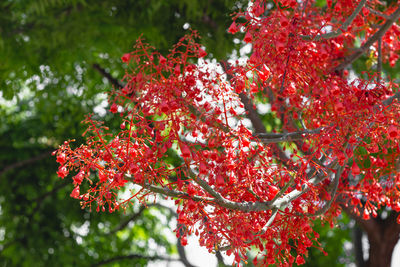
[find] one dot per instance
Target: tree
(55, 58)
(333, 146)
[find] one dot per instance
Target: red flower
(355, 170)
(393, 132)
(233, 28)
(164, 107)
(248, 37)
(220, 181)
(126, 57)
(185, 150)
(264, 73)
(62, 172)
(203, 168)
(202, 53)
(300, 260)
(273, 190)
(184, 241)
(75, 193)
(162, 60)
(79, 178)
(61, 158)
(365, 214)
(114, 108)
(177, 70)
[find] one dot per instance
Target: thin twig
(390, 100)
(332, 194)
(269, 222)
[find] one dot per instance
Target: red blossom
(393, 132)
(79, 178)
(185, 150)
(61, 158)
(355, 169)
(300, 260)
(114, 108)
(184, 241)
(202, 53)
(233, 28)
(126, 57)
(62, 172)
(162, 60)
(248, 37)
(75, 193)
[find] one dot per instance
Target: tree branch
(220, 259)
(390, 100)
(252, 114)
(376, 12)
(332, 194)
(125, 223)
(379, 63)
(25, 162)
(133, 256)
(107, 75)
(358, 246)
(218, 199)
(340, 30)
(384, 28)
(268, 138)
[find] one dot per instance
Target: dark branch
(25, 162)
(132, 257)
(341, 29)
(384, 28)
(332, 193)
(252, 114)
(390, 100)
(379, 63)
(125, 223)
(220, 259)
(380, 14)
(268, 138)
(107, 75)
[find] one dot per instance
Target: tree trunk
(383, 235)
(380, 252)
(358, 247)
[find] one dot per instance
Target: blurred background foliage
(49, 51)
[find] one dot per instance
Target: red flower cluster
(335, 143)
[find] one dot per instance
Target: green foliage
(332, 240)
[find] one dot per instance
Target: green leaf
(320, 3)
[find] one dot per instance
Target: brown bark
(382, 241)
(383, 235)
(380, 253)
